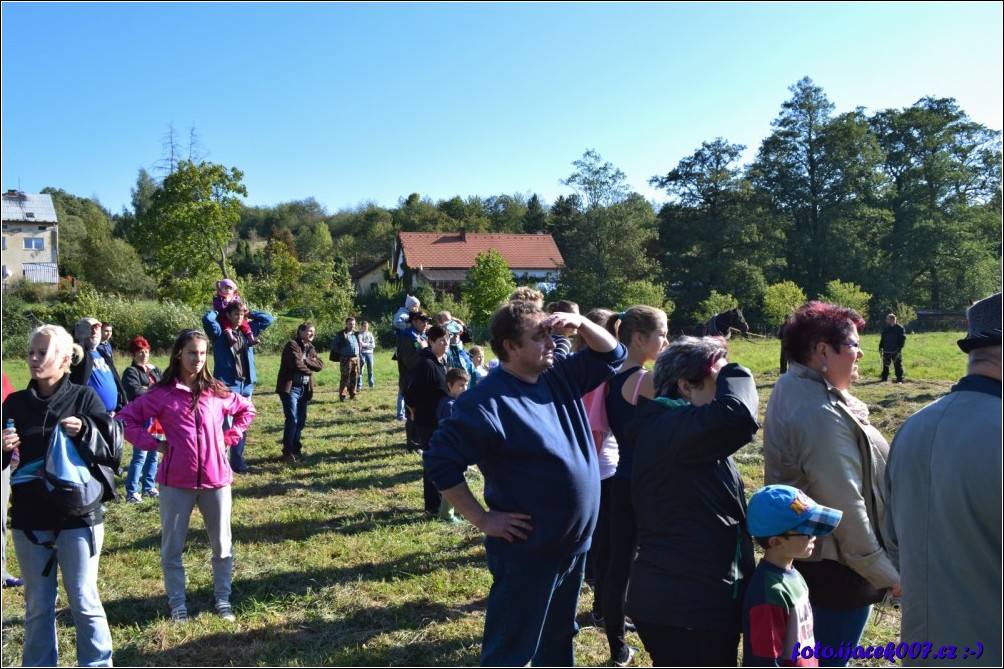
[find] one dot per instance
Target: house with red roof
(442, 259)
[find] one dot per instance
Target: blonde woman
(43, 537)
(643, 330)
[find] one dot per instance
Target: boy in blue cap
(777, 616)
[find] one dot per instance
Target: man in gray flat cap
(943, 507)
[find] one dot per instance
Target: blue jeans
(400, 405)
(294, 407)
(365, 360)
(531, 611)
(833, 627)
(145, 463)
(78, 552)
(237, 462)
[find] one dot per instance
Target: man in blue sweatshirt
(526, 429)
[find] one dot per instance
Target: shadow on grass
(130, 611)
(350, 641)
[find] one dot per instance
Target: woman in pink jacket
(191, 406)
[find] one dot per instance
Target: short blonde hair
(60, 344)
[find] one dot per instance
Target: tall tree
(600, 183)
(714, 233)
(192, 221)
(791, 168)
(89, 251)
(943, 247)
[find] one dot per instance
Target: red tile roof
(455, 250)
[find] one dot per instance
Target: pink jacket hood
(196, 455)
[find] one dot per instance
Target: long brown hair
(203, 381)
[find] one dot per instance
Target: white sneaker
(134, 498)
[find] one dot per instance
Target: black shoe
(628, 657)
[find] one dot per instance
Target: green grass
(335, 563)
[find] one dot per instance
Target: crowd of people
(605, 449)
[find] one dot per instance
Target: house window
(34, 244)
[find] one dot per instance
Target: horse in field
(722, 325)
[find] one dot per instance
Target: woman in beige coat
(817, 437)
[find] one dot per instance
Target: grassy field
(335, 563)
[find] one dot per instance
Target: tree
(716, 303)
(603, 231)
(489, 283)
(89, 251)
(191, 221)
(819, 174)
(644, 292)
(847, 295)
(781, 299)
(943, 244)
(315, 245)
(715, 232)
(601, 184)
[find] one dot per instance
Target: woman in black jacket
(427, 387)
(694, 552)
(136, 380)
(74, 543)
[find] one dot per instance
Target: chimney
(463, 233)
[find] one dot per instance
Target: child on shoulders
(777, 615)
(226, 294)
(402, 318)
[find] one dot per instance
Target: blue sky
(354, 103)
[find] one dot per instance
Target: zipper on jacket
(198, 446)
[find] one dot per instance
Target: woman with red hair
(136, 380)
(817, 437)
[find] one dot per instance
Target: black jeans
(623, 546)
(430, 492)
(599, 552)
(680, 647)
(896, 359)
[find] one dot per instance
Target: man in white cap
(943, 507)
(96, 369)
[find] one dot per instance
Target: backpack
(65, 480)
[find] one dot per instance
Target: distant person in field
(891, 345)
(525, 428)
(943, 506)
(345, 348)
(295, 387)
(367, 345)
(226, 294)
